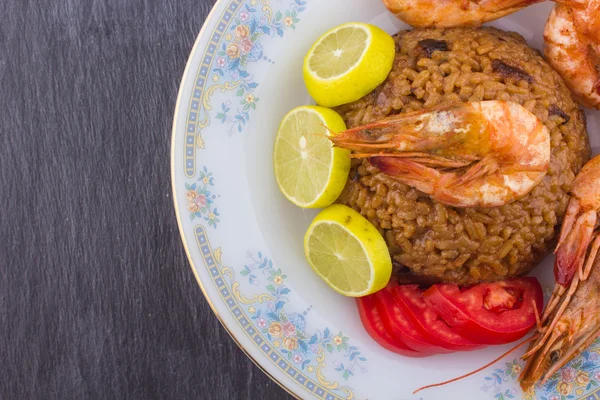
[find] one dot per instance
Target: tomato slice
(489, 313)
(433, 327)
(373, 323)
(399, 324)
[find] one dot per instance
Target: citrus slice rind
(347, 63)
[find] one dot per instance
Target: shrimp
(480, 154)
(453, 13)
(571, 320)
(572, 47)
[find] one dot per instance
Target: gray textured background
(96, 296)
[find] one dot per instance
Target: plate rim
(203, 282)
(180, 93)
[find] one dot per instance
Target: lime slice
(347, 252)
(347, 63)
(310, 172)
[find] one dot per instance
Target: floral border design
(241, 47)
(201, 200)
(579, 379)
(289, 331)
(234, 45)
(499, 376)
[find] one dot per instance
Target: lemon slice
(310, 172)
(347, 63)
(347, 252)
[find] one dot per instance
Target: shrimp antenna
(478, 369)
(331, 131)
(328, 129)
(538, 321)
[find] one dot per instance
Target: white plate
(244, 240)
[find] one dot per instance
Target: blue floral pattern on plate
(287, 330)
(201, 200)
(241, 47)
(579, 379)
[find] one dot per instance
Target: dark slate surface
(96, 296)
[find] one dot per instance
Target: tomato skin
(373, 323)
(400, 325)
(433, 327)
(466, 311)
(446, 318)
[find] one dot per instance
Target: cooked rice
(436, 67)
